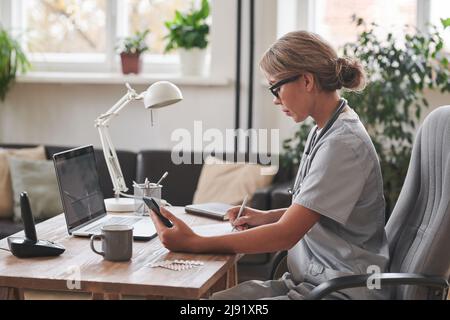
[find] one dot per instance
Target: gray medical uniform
(341, 180)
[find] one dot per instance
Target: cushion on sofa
(227, 182)
(38, 179)
(9, 227)
(6, 194)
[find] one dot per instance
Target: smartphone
(153, 205)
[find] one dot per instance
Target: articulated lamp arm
(158, 95)
(109, 151)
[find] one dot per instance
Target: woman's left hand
(179, 238)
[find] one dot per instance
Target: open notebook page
(215, 229)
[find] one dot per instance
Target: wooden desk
(111, 280)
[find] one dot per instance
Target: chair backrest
(418, 230)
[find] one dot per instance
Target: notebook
(216, 229)
(214, 210)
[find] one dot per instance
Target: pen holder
(149, 190)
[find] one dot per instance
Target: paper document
(215, 229)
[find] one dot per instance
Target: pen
(162, 178)
(241, 210)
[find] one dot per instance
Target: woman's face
(294, 97)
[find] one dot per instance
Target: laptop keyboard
(129, 221)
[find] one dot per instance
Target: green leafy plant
(391, 105)
(12, 59)
(188, 30)
(134, 44)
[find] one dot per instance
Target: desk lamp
(159, 94)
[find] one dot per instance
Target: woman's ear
(309, 81)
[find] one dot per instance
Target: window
(333, 18)
(143, 14)
(441, 10)
(65, 26)
(81, 35)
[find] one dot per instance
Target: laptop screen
(79, 185)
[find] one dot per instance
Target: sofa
(179, 188)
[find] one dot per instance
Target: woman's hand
(248, 219)
(179, 238)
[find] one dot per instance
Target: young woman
(335, 224)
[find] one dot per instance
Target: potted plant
(130, 49)
(188, 34)
(12, 59)
(391, 105)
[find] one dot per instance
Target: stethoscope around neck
(313, 142)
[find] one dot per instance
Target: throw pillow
(38, 179)
(229, 182)
(6, 194)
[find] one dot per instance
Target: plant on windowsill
(188, 34)
(130, 50)
(391, 105)
(12, 60)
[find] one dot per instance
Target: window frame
(12, 15)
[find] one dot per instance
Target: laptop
(82, 198)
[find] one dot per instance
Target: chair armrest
(279, 265)
(346, 282)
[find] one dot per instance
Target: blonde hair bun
(298, 52)
(350, 74)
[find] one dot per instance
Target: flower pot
(193, 61)
(131, 63)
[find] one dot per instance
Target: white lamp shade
(161, 94)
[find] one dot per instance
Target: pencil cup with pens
(145, 189)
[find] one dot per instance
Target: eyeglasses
(275, 88)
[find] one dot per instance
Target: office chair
(418, 230)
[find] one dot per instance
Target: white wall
(64, 115)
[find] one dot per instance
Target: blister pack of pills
(175, 265)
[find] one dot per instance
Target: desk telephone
(30, 246)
